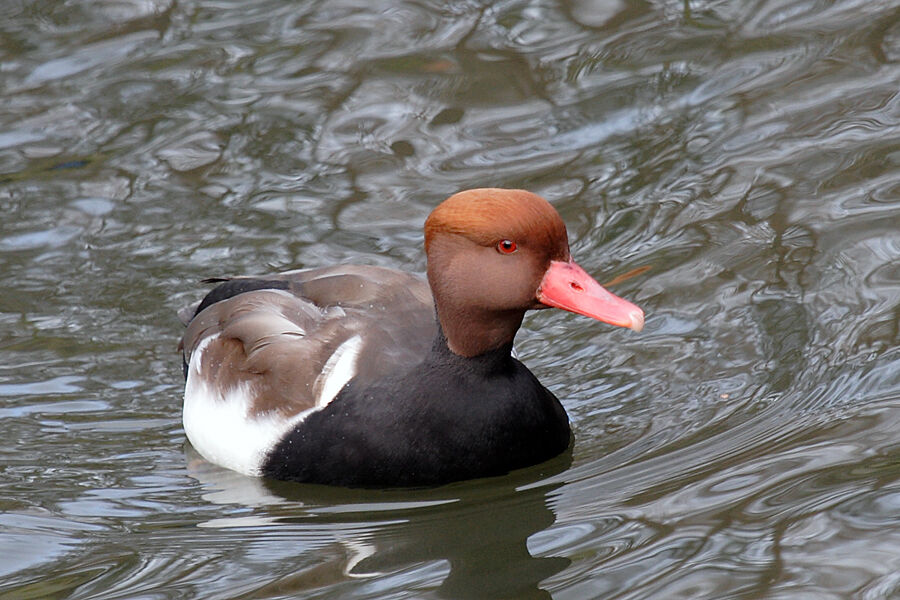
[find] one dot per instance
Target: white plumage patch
(220, 428)
(338, 370)
(221, 425)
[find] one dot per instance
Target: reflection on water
(745, 444)
(473, 536)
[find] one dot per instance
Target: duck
(367, 376)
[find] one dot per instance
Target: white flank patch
(338, 370)
(222, 428)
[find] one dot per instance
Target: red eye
(506, 246)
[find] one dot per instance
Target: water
(745, 445)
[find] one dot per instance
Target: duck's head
(494, 254)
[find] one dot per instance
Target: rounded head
(489, 248)
(495, 253)
(486, 216)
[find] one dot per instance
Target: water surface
(745, 445)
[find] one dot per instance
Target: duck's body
(443, 419)
(343, 375)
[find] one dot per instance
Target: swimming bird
(365, 376)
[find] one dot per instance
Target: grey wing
(295, 346)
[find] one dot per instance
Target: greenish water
(745, 445)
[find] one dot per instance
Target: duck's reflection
(479, 528)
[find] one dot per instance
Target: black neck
(491, 361)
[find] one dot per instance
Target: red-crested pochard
(367, 376)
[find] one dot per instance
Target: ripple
(743, 445)
(58, 385)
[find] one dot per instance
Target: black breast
(447, 419)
